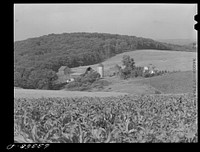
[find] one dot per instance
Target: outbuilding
(100, 69)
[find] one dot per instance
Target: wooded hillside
(36, 60)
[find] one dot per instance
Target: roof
(75, 74)
(62, 68)
(100, 65)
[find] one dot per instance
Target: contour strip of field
(162, 59)
(30, 93)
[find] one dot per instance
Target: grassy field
(163, 60)
(180, 82)
(171, 83)
(30, 93)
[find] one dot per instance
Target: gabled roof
(75, 74)
(62, 68)
(100, 65)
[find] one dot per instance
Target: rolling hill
(36, 60)
(172, 83)
(162, 59)
(177, 41)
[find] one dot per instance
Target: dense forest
(36, 60)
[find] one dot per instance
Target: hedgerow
(134, 119)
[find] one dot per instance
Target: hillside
(162, 59)
(36, 60)
(174, 83)
(171, 83)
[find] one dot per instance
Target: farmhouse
(150, 68)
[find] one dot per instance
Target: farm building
(75, 75)
(88, 70)
(66, 74)
(150, 68)
(64, 70)
(100, 70)
(113, 71)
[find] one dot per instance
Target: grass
(180, 82)
(163, 60)
(172, 83)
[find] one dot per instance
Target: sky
(156, 21)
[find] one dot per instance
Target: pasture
(170, 83)
(180, 82)
(162, 59)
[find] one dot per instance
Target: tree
(42, 78)
(117, 69)
(128, 62)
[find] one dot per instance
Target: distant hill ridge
(177, 41)
(96, 46)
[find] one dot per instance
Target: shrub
(124, 73)
(84, 82)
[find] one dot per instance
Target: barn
(64, 70)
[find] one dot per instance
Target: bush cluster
(84, 82)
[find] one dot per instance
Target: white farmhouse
(145, 69)
(150, 69)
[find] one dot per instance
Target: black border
(7, 111)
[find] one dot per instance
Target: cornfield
(123, 119)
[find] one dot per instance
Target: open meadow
(179, 82)
(162, 59)
(170, 83)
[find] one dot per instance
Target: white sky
(157, 21)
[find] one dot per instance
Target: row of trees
(30, 78)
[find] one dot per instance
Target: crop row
(135, 119)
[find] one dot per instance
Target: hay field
(162, 59)
(172, 83)
(31, 93)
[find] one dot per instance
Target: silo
(100, 70)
